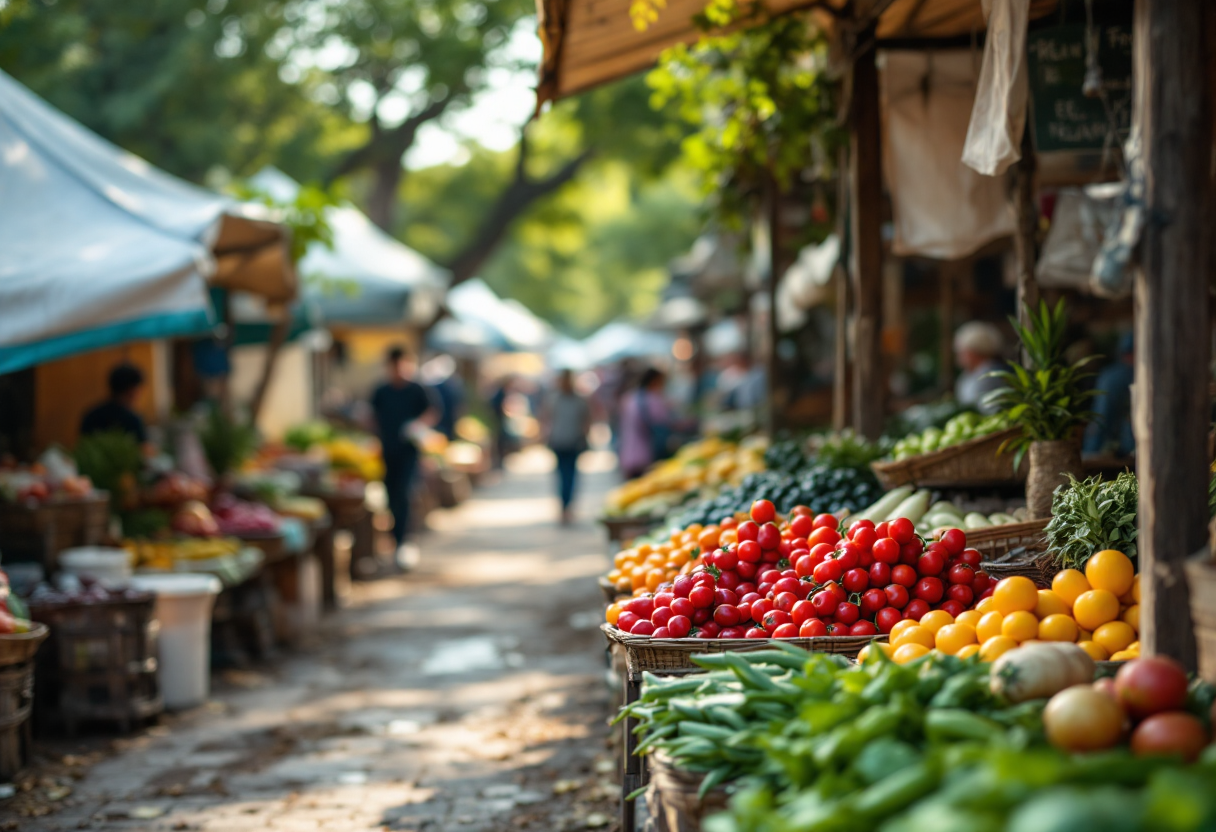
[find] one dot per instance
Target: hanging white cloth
(994, 137)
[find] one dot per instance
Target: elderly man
(977, 349)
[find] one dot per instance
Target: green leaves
(1090, 515)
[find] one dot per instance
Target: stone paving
(468, 695)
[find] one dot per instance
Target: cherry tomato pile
(803, 578)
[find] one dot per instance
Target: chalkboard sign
(1063, 117)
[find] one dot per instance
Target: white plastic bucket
(183, 606)
(109, 567)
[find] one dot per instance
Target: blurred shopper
(403, 410)
(500, 427)
(440, 375)
(567, 422)
(977, 349)
(117, 413)
(1111, 431)
(645, 425)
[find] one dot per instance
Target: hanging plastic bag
(1078, 229)
(998, 118)
(1111, 275)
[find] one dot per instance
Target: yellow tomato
(1096, 651)
(968, 651)
(1095, 608)
(989, 626)
(1084, 634)
(900, 626)
(1131, 616)
(969, 617)
(986, 605)
(1135, 645)
(1136, 589)
(1068, 584)
(907, 652)
(613, 613)
(954, 637)
(1058, 627)
(915, 635)
(1115, 636)
(1050, 604)
(875, 645)
(1110, 570)
(1125, 656)
(1015, 594)
(1020, 626)
(727, 537)
(934, 620)
(994, 647)
(644, 549)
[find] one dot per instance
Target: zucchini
(913, 507)
(947, 507)
(1002, 519)
(885, 504)
(975, 520)
(942, 518)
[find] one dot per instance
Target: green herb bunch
(226, 442)
(1091, 515)
(1047, 401)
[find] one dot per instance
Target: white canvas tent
(97, 247)
(474, 303)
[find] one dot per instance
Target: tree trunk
(382, 203)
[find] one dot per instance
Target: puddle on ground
(464, 655)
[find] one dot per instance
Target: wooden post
(945, 337)
(772, 418)
(1024, 240)
(1173, 101)
(840, 368)
(865, 158)
(278, 335)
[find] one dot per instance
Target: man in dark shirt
(117, 412)
(401, 405)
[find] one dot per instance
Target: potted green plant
(1046, 401)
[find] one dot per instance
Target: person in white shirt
(977, 349)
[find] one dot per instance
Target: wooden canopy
(592, 42)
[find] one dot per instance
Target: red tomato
(728, 523)
(971, 557)
(897, 596)
(865, 537)
(746, 570)
(802, 612)
(731, 632)
(682, 606)
(835, 629)
(880, 574)
(837, 590)
(848, 555)
(728, 580)
(626, 620)
(745, 588)
(866, 560)
(726, 559)
(763, 511)
(785, 601)
(886, 551)
(856, 580)
(955, 541)
(701, 596)
(916, 609)
(962, 593)
(872, 600)
(786, 585)
(642, 606)
(749, 551)
(745, 611)
(930, 564)
(886, 618)
(641, 628)
(727, 615)
(786, 631)
(769, 536)
(823, 602)
(961, 573)
(748, 530)
(903, 575)
(847, 613)
(987, 593)
(813, 628)
(725, 596)
(953, 607)
(802, 525)
(980, 582)
(863, 628)
(821, 552)
(682, 585)
(860, 524)
(761, 608)
(800, 510)
(882, 530)
(902, 530)
(769, 575)
(829, 570)
(1148, 686)
(784, 548)
(679, 626)
(805, 588)
(755, 632)
(915, 545)
(826, 521)
(773, 620)
(701, 615)
(709, 629)
(749, 597)
(823, 535)
(661, 616)
(1174, 733)
(771, 556)
(930, 589)
(663, 599)
(804, 566)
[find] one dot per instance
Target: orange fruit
(915, 635)
(968, 651)
(934, 620)
(986, 605)
(881, 646)
(969, 617)
(900, 626)
(1020, 626)
(1014, 594)
(707, 541)
(1136, 589)
(1094, 608)
(1096, 651)
(1115, 636)
(994, 647)
(1131, 616)
(1051, 604)
(907, 652)
(1058, 627)
(1110, 570)
(989, 626)
(728, 536)
(954, 637)
(613, 613)
(1068, 584)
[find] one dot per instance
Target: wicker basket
(674, 655)
(971, 463)
(994, 542)
(43, 531)
(18, 648)
(671, 798)
(16, 697)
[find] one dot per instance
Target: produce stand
(348, 512)
(41, 531)
(17, 651)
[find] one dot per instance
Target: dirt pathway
(468, 695)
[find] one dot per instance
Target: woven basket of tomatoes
(802, 579)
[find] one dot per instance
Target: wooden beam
(865, 159)
(945, 312)
(1171, 407)
(278, 335)
(772, 411)
(1025, 238)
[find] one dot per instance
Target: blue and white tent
(97, 247)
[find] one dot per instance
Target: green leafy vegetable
(1090, 515)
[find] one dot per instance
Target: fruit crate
(970, 464)
(40, 532)
(17, 651)
(99, 664)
